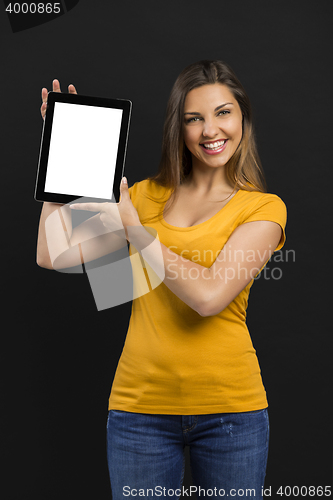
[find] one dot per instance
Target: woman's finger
(56, 86)
(91, 207)
(44, 104)
(72, 89)
(44, 95)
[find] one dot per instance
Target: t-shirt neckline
(195, 226)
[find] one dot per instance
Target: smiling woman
(188, 374)
(212, 130)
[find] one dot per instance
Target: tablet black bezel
(53, 97)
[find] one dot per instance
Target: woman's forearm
(53, 238)
(61, 246)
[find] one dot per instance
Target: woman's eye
(193, 119)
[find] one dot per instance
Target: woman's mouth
(214, 147)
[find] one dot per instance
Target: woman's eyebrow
(222, 106)
(216, 109)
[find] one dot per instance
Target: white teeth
(214, 145)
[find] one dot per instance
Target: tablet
(83, 148)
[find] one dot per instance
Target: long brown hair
(244, 169)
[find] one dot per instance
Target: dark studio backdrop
(59, 353)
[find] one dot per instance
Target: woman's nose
(210, 128)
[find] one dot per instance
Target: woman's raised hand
(55, 88)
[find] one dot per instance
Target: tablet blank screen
(83, 150)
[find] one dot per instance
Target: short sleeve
(270, 208)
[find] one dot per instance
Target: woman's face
(212, 125)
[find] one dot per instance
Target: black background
(59, 353)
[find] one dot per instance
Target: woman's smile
(214, 147)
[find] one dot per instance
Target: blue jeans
(228, 454)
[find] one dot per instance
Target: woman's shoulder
(258, 197)
(257, 205)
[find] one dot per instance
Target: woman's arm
(210, 290)
(59, 246)
(60, 238)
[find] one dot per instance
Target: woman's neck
(208, 181)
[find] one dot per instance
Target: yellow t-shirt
(175, 361)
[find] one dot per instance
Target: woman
(188, 373)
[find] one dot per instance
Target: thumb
(124, 193)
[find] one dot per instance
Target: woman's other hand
(114, 216)
(55, 88)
